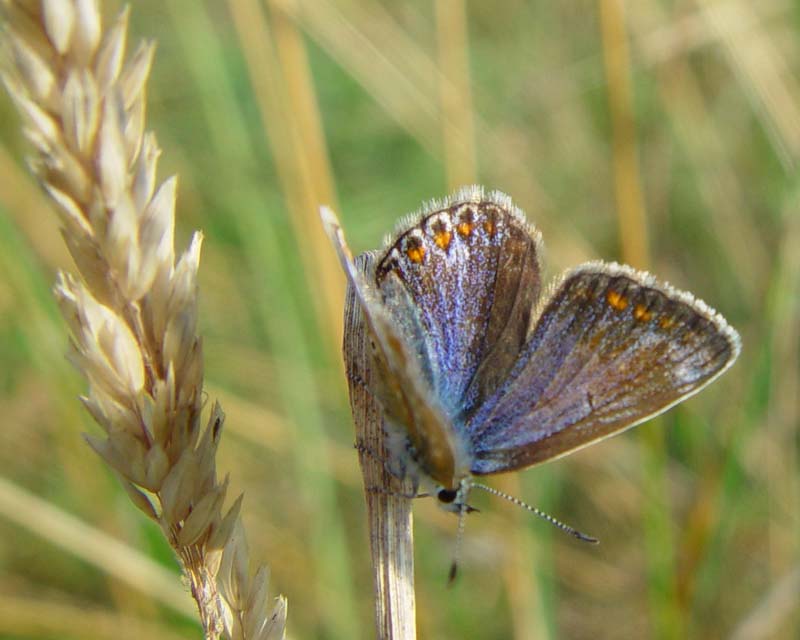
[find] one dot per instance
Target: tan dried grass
(132, 311)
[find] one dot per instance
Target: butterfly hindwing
(610, 349)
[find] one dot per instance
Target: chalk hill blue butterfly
(479, 373)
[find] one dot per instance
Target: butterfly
(478, 372)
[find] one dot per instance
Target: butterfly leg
(396, 494)
(357, 380)
(364, 449)
(392, 464)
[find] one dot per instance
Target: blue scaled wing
(611, 348)
(470, 268)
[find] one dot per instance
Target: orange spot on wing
(666, 323)
(442, 239)
(617, 300)
(641, 313)
(489, 227)
(464, 228)
(416, 254)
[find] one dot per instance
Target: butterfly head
(455, 499)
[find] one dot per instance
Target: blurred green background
(665, 134)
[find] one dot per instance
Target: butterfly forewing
(398, 370)
(471, 271)
(610, 348)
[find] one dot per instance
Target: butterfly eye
(447, 495)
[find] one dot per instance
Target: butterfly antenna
(451, 578)
(557, 523)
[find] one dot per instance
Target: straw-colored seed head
(132, 314)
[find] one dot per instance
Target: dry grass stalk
(389, 517)
(133, 311)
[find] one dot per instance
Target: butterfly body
(479, 373)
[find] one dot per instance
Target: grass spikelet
(132, 311)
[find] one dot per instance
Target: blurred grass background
(666, 134)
